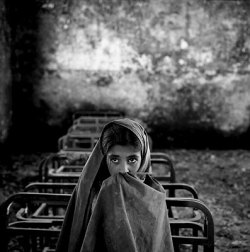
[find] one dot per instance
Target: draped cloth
(127, 215)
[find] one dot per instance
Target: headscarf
(78, 215)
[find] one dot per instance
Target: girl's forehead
(123, 150)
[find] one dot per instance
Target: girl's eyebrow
(113, 155)
(133, 156)
(129, 156)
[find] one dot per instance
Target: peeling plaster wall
(178, 64)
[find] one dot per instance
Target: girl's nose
(123, 167)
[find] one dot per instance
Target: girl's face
(123, 159)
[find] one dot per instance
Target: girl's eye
(132, 160)
(114, 160)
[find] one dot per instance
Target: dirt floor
(222, 179)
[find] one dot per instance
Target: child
(117, 205)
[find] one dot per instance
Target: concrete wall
(5, 77)
(177, 65)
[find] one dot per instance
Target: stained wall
(179, 66)
(5, 77)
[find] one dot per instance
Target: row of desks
(32, 219)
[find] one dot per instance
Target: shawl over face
(129, 215)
